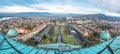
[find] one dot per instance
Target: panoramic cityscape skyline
(110, 8)
(59, 27)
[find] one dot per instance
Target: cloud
(14, 9)
(112, 14)
(110, 5)
(56, 8)
(107, 7)
(50, 8)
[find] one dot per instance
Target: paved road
(59, 35)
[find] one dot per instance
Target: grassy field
(45, 41)
(55, 35)
(64, 36)
(54, 38)
(71, 39)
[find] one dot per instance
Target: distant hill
(23, 14)
(89, 16)
(102, 17)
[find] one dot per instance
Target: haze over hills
(90, 16)
(22, 14)
(102, 17)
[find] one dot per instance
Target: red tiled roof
(28, 31)
(95, 29)
(38, 27)
(80, 28)
(21, 35)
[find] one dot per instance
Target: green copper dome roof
(12, 32)
(105, 35)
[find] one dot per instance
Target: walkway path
(59, 35)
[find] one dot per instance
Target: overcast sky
(107, 7)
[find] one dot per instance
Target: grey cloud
(110, 5)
